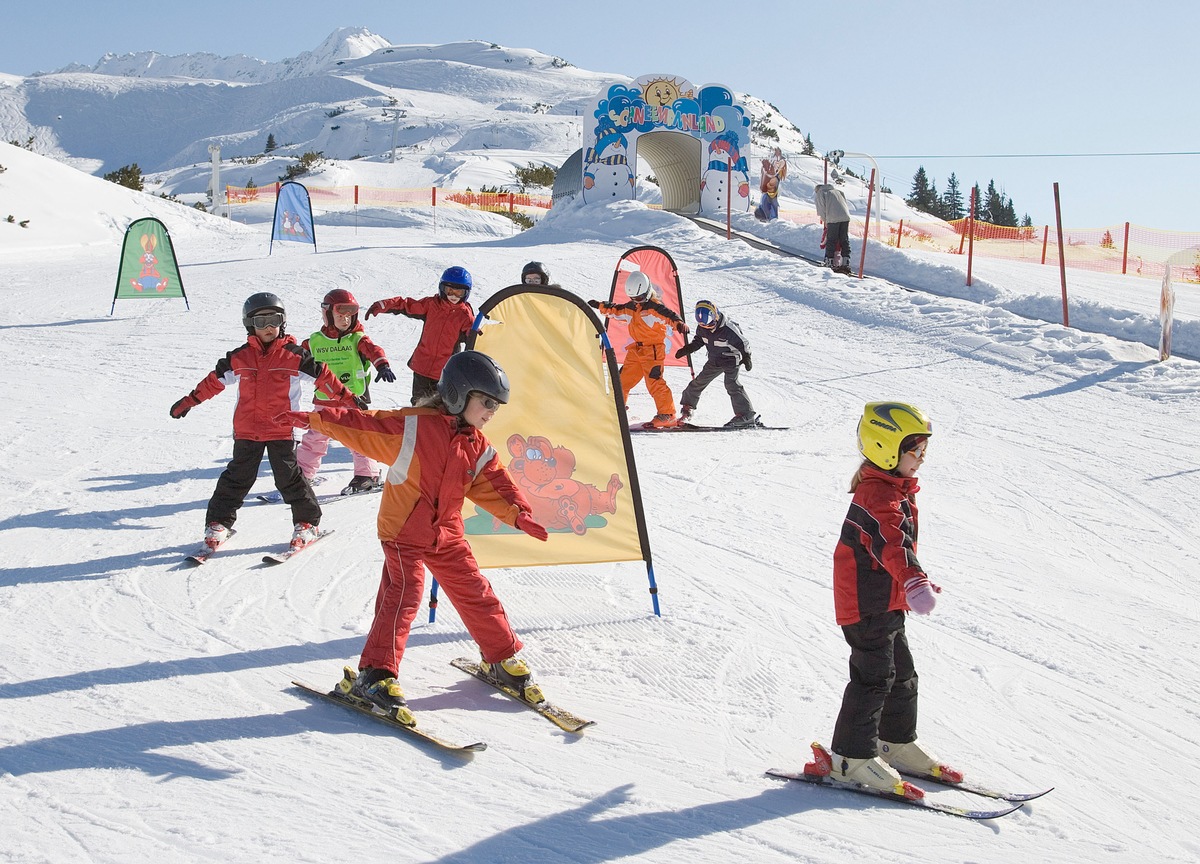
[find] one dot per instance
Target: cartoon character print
(774, 170)
(725, 165)
(149, 279)
(662, 92)
(544, 471)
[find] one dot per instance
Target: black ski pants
(837, 236)
(737, 393)
(881, 699)
(239, 475)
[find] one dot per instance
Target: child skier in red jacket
(876, 580)
(448, 319)
(267, 371)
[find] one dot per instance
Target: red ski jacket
(268, 381)
(434, 464)
(877, 552)
(446, 326)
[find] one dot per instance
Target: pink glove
(299, 419)
(533, 529)
(921, 594)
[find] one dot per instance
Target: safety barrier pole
(1062, 256)
(1045, 238)
(971, 229)
(1125, 250)
(862, 259)
(899, 233)
(355, 208)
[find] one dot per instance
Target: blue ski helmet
(455, 277)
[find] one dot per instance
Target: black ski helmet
(468, 371)
(536, 267)
(260, 302)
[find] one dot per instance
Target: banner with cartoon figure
(562, 434)
(660, 267)
(774, 171)
(148, 268)
(666, 103)
(293, 216)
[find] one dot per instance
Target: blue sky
(934, 79)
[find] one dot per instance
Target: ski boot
(380, 690)
(873, 773)
(362, 483)
(685, 415)
(215, 534)
(744, 421)
(913, 758)
(661, 421)
(302, 535)
(514, 674)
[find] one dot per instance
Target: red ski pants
(646, 361)
(403, 586)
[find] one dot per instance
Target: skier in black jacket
(727, 352)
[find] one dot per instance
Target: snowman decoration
(606, 172)
(724, 174)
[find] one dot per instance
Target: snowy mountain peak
(345, 43)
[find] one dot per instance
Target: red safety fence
(335, 197)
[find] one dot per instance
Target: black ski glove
(595, 304)
(690, 348)
(746, 362)
(385, 374)
(180, 409)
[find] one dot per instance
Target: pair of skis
(562, 718)
(201, 555)
(1012, 800)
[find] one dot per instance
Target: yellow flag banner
(563, 435)
(660, 268)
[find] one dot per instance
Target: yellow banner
(562, 436)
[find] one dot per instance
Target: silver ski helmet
(470, 371)
(263, 301)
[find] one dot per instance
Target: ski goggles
(487, 401)
(454, 292)
(533, 279)
(349, 310)
(917, 447)
(706, 316)
(267, 319)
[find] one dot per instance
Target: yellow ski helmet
(883, 428)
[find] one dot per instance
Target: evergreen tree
(809, 149)
(271, 145)
(922, 197)
(952, 200)
(127, 175)
(977, 197)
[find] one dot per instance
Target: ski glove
(746, 362)
(385, 373)
(921, 594)
(180, 409)
(299, 419)
(595, 304)
(681, 327)
(376, 308)
(525, 523)
(690, 348)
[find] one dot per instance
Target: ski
(276, 497)
(204, 552)
(976, 789)
(388, 720)
(560, 717)
(692, 427)
(923, 803)
(280, 557)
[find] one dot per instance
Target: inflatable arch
(696, 140)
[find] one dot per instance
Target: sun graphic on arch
(661, 92)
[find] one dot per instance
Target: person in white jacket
(833, 210)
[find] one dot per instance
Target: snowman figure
(724, 155)
(606, 172)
